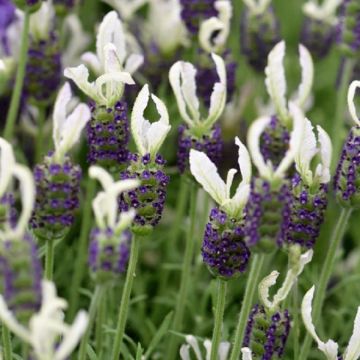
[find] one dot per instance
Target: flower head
(330, 348)
(206, 173)
(182, 77)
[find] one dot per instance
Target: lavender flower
(309, 188)
(7, 10)
(57, 178)
(224, 250)
(198, 133)
(349, 28)
(345, 180)
(147, 165)
(319, 32)
(259, 32)
(195, 11)
(109, 247)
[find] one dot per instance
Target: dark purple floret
(57, 197)
(258, 35)
(306, 213)
(211, 145)
(193, 12)
(7, 17)
(318, 37)
(108, 254)
(207, 76)
(43, 70)
(149, 198)
(266, 333)
(346, 179)
(349, 27)
(224, 250)
(267, 215)
(21, 273)
(108, 136)
(274, 142)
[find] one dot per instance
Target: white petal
(307, 76)
(133, 62)
(156, 136)
(353, 350)
(7, 162)
(229, 180)
(266, 283)
(207, 30)
(191, 340)
(244, 161)
(254, 134)
(73, 336)
(185, 352)
(330, 349)
(206, 174)
(41, 21)
(350, 98)
(91, 60)
(59, 115)
(100, 206)
(112, 62)
(326, 154)
(224, 348)
(125, 220)
(236, 204)
(246, 354)
(100, 174)
(275, 79)
(207, 346)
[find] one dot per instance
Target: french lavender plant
(57, 178)
(108, 129)
(259, 32)
(319, 29)
(224, 250)
(330, 348)
(269, 324)
(198, 132)
(309, 188)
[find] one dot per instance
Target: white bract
(330, 348)
(310, 146)
(214, 31)
(126, 8)
(42, 21)
(296, 268)
(276, 82)
(326, 11)
(182, 79)
(257, 7)
(148, 136)
(111, 61)
(266, 168)
(193, 344)
(67, 127)
(47, 333)
(105, 205)
(206, 174)
(351, 104)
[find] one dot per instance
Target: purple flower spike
(108, 254)
(224, 250)
(266, 333)
(21, 273)
(108, 135)
(148, 200)
(193, 12)
(57, 198)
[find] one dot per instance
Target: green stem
(326, 271)
(185, 277)
(251, 287)
(99, 327)
(20, 74)
(49, 259)
(219, 314)
(6, 339)
(295, 314)
(40, 134)
(125, 299)
(341, 104)
(95, 300)
(80, 264)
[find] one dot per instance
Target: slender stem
(20, 74)
(95, 300)
(40, 134)
(185, 277)
(295, 326)
(125, 299)
(341, 107)
(49, 259)
(6, 339)
(219, 314)
(326, 271)
(251, 287)
(99, 326)
(81, 248)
